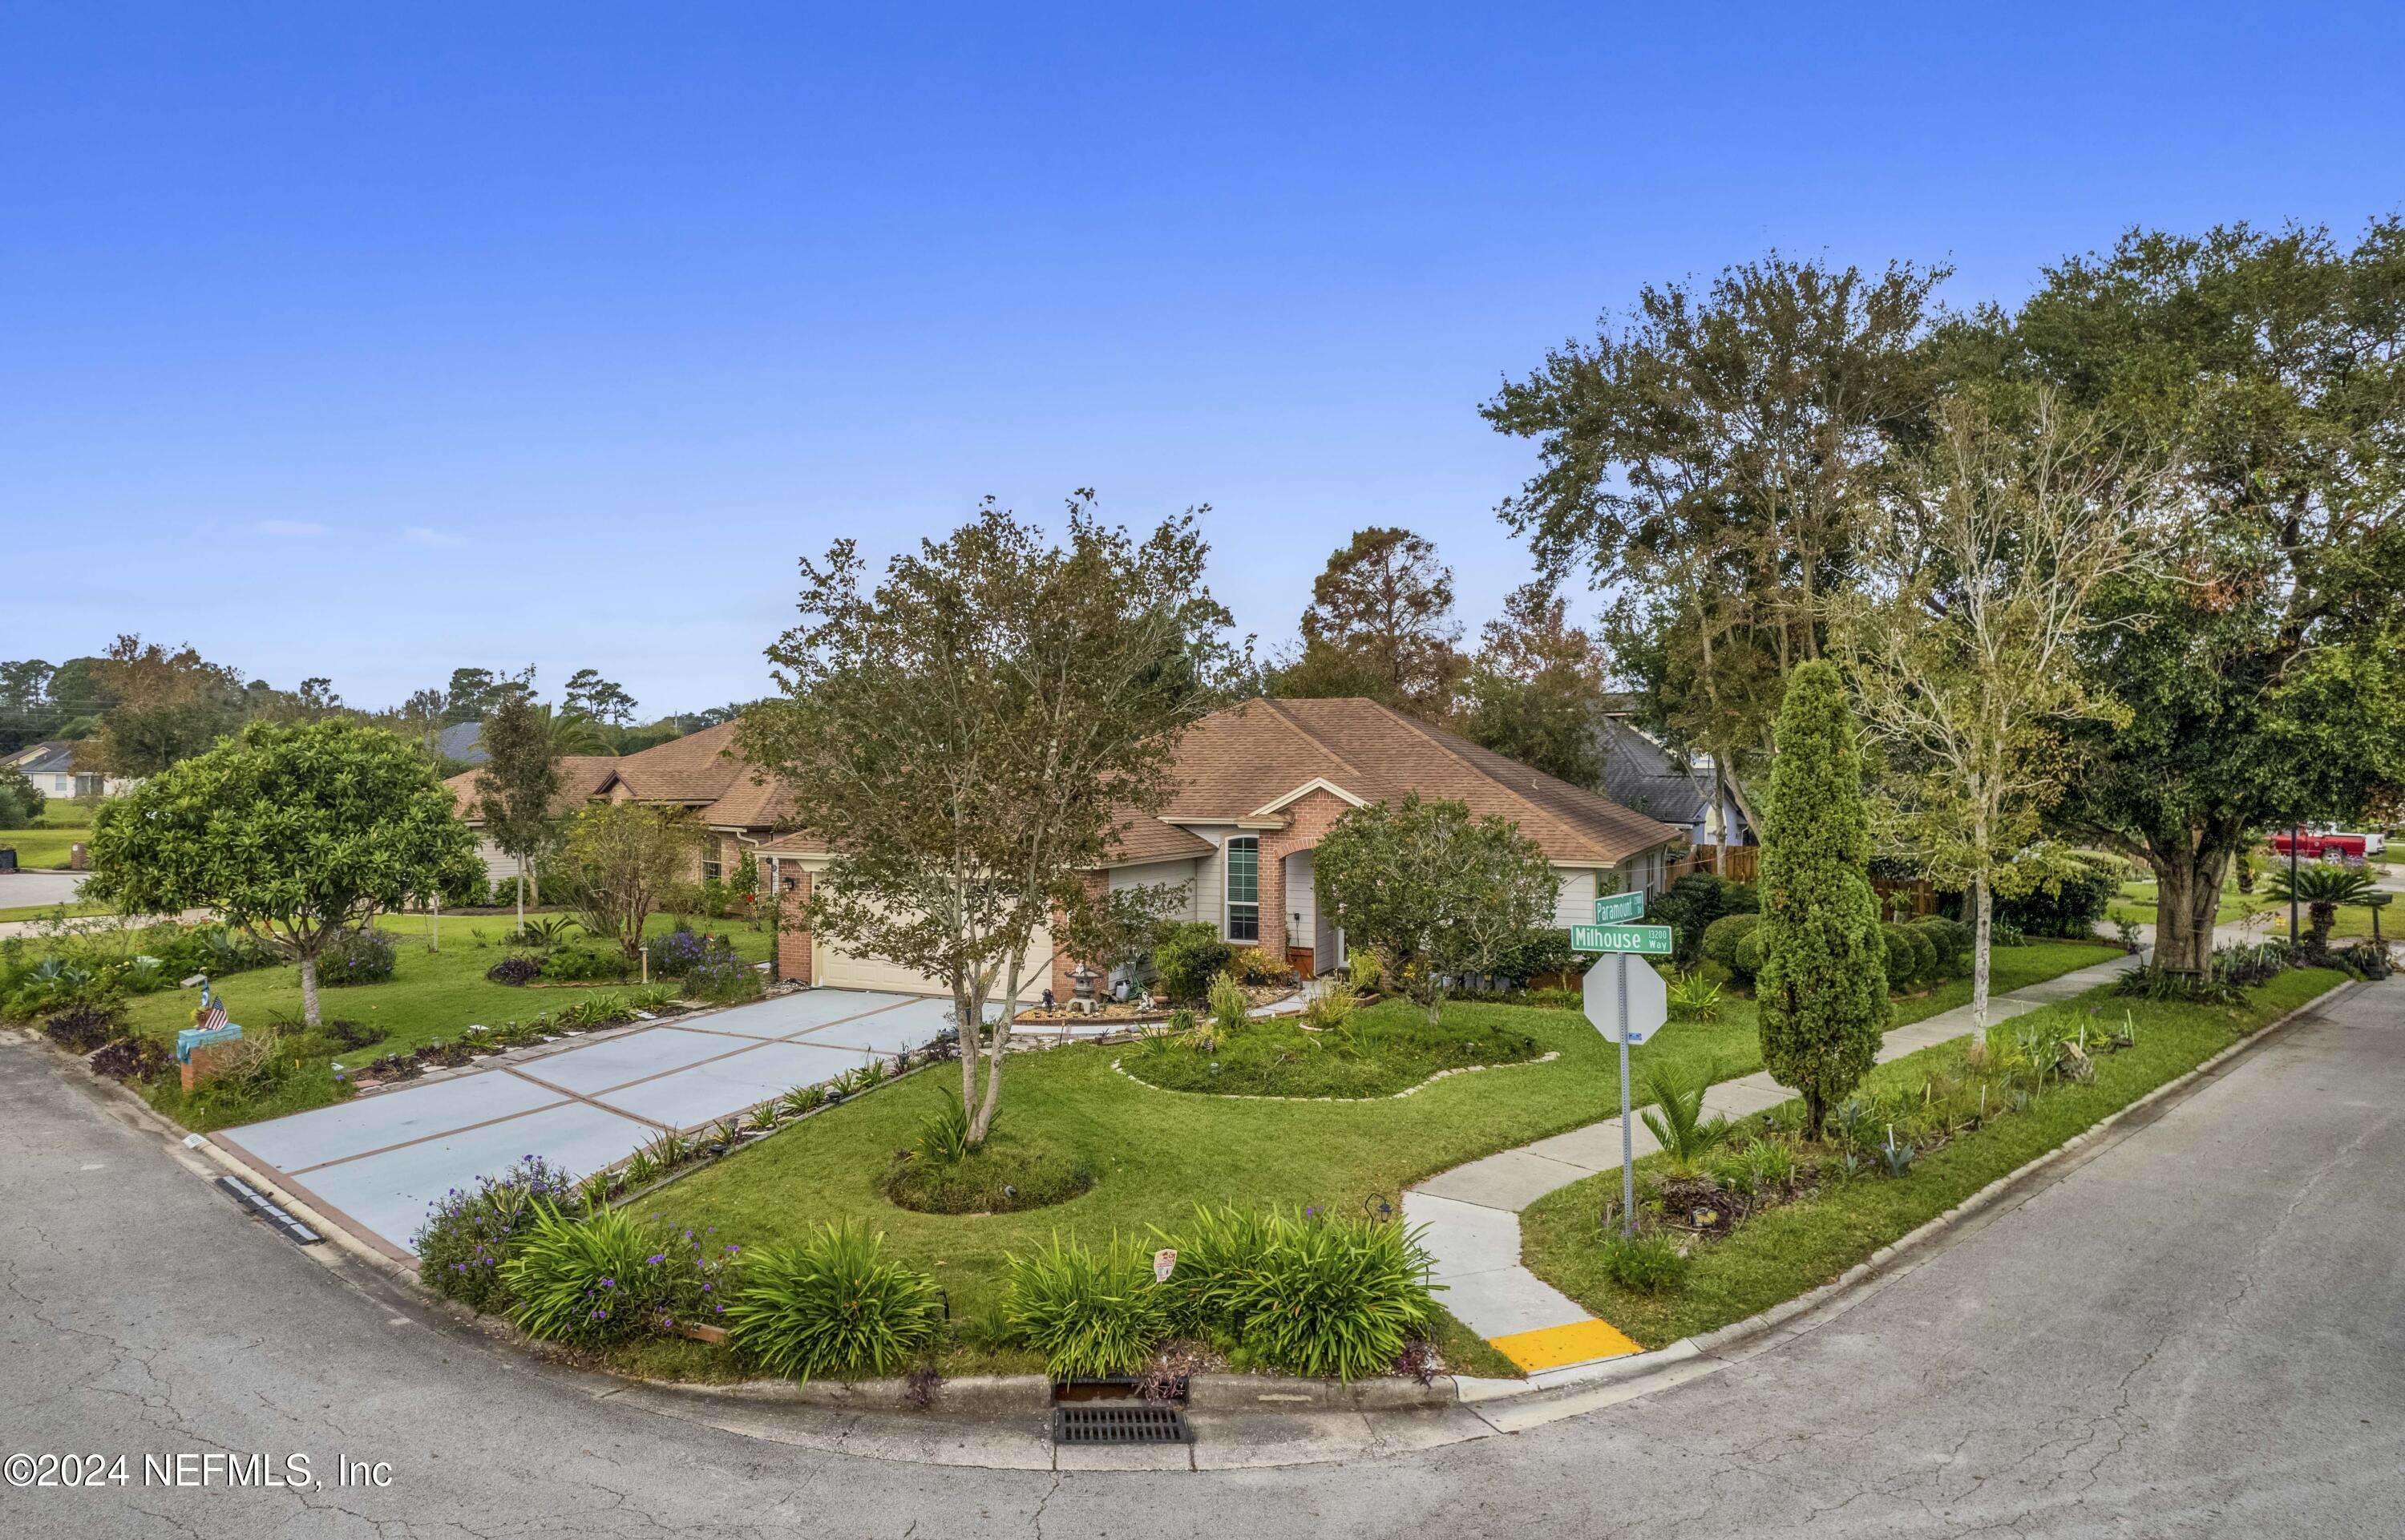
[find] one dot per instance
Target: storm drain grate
(1119, 1422)
(267, 1209)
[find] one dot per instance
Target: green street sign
(1613, 908)
(1652, 941)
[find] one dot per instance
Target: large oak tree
(2259, 659)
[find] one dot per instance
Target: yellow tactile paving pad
(1550, 1346)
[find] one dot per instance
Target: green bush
(1950, 941)
(592, 1280)
(1721, 938)
(581, 965)
(1253, 966)
(1544, 952)
(831, 1305)
(362, 956)
(1317, 1294)
(470, 1234)
(1692, 903)
(1746, 960)
(1911, 957)
(1231, 1008)
(2070, 905)
(1189, 957)
(1091, 1313)
(1643, 1264)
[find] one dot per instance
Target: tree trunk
(981, 1121)
(2187, 894)
(309, 990)
(1983, 909)
(1814, 1111)
(434, 923)
(520, 885)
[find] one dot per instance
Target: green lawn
(2138, 901)
(1158, 1154)
(42, 849)
(1787, 1250)
(432, 996)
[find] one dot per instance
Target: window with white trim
(1244, 889)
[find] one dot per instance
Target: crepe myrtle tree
(969, 735)
(1437, 891)
(620, 856)
(1963, 635)
(293, 833)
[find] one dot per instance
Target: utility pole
(2296, 838)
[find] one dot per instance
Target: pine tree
(1822, 988)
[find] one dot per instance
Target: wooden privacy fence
(1737, 863)
(1743, 864)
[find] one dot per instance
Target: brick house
(699, 771)
(1256, 786)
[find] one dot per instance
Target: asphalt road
(2199, 1331)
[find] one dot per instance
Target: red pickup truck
(2312, 847)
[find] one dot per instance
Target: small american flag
(212, 1020)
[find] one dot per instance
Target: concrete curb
(1573, 1392)
(1483, 1406)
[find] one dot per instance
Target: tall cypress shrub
(1822, 991)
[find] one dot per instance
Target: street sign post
(1628, 1005)
(1646, 941)
(1613, 908)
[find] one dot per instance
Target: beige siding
(1169, 874)
(1574, 899)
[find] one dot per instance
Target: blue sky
(369, 346)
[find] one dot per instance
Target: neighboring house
(1256, 786)
(51, 769)
(463, 741)
(698, 771)
(1640, 773)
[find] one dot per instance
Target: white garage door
(840, 969)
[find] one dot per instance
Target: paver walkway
(1472, 1212)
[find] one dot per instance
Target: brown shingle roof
(581, 775)
(1235, 762)
(696, 768)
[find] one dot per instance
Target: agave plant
(764, 1117)
(803, 1099)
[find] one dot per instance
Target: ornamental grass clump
(1089, 1312)
(831, 1305)
(587, 1281)
(1318, 1295)
(470, 1232)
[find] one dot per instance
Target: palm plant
(2321, 888)
(1676, 1119)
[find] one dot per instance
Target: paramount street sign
(1650, 940)
(1613, 908)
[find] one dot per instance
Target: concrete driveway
(382, 1158)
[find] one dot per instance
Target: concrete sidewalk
(1472, 1212)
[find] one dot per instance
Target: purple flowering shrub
(470, 1232)
(706, 963)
